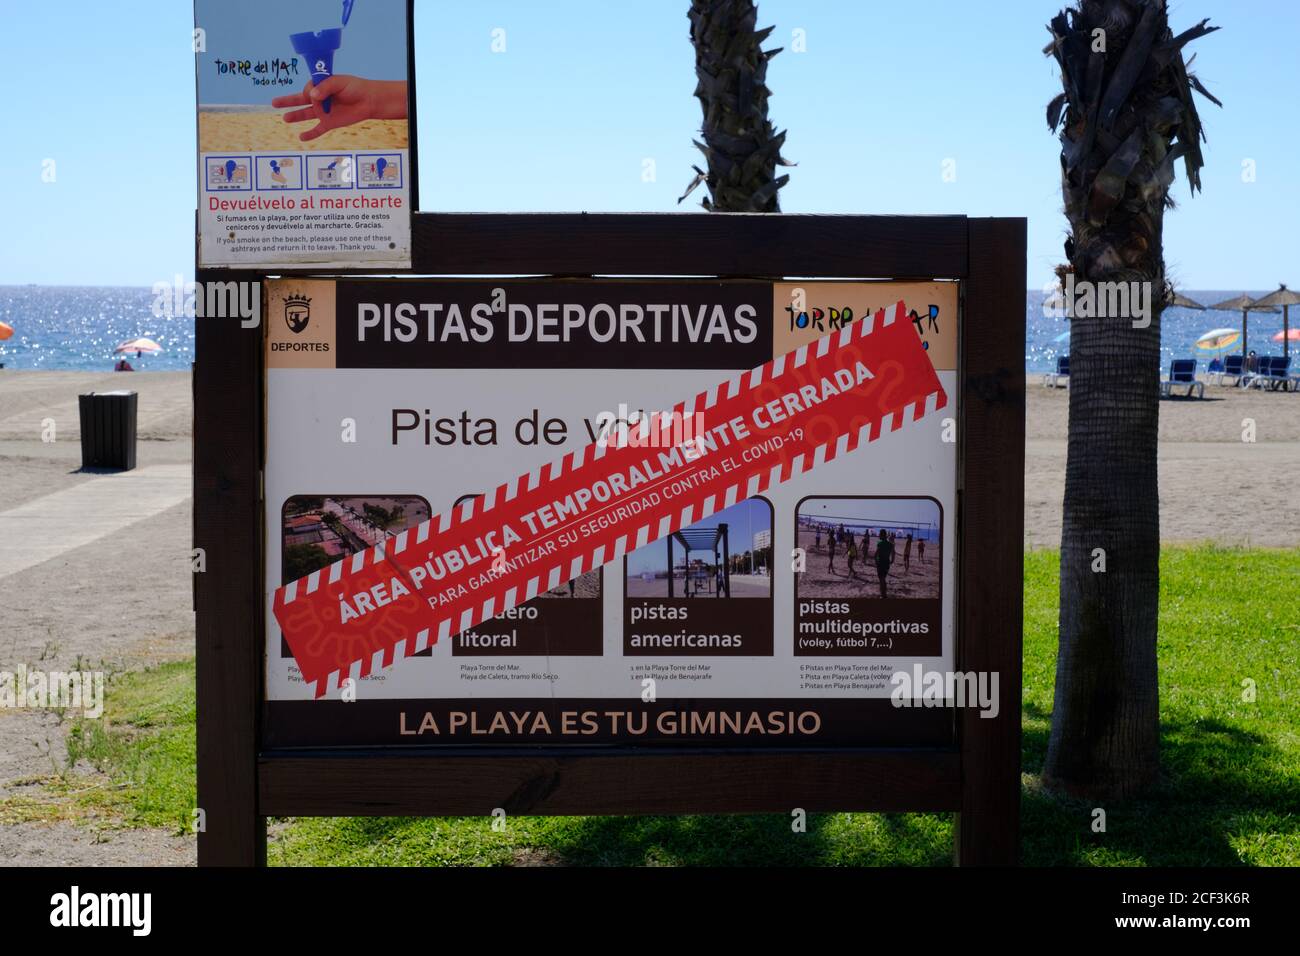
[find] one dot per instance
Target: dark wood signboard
(770, 641)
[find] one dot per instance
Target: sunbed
(1273, 372)
(1182, 372)
(1061, 377)
(1234, 367)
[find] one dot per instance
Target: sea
(76, 328)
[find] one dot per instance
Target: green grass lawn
(1230, 789)
(142, 749)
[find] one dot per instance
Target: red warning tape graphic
(594, 505)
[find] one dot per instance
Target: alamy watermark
(74, 908)
(202, 300)
(1099, 300)
(922, 688)
(629, 428)
(55, 690)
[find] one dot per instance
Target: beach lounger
(1274, 372)
(1279, 376)
(1061, 377)
(1254, 379)
(1282, 376)
(1234, 367)
(1182, 372)
(1263, 372)
(1248, 374)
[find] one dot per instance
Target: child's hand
(352, 100)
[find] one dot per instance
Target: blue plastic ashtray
(318, 50)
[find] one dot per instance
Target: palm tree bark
(741, 148)
(1128, 116)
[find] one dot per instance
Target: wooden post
(230, 617)
(991, 494)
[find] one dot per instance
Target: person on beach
(920, 551)
(123, 366)
(830, 549)
(852, 552)
(884, 558)
(817, 536)
(907, 554)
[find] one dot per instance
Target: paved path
(45, 527)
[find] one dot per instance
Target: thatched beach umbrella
(1183, 302)
(1285, 298)
(1244, 304)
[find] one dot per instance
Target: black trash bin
(108, 430)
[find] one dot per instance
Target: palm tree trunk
(741, 147)
(1128, 118)
(1106, 715)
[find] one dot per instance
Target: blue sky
(588, 90)
(871, 511)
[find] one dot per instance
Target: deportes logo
(297, 312)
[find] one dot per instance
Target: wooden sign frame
(241, 783)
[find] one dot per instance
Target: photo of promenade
(317, 531)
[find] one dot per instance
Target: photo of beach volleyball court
(863, 547)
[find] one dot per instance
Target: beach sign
(536, 540)
(555, 493)
(304, 134)
(688, 541)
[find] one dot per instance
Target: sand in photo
(262, 130)
(703, 586)
(918, 578)
(584, 586)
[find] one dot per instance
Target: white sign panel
(303, 135)
(391, 402)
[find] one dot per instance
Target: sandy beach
(123, 601)
(828, 576)
(115, 604)
(266, 130)
(1213, 485)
